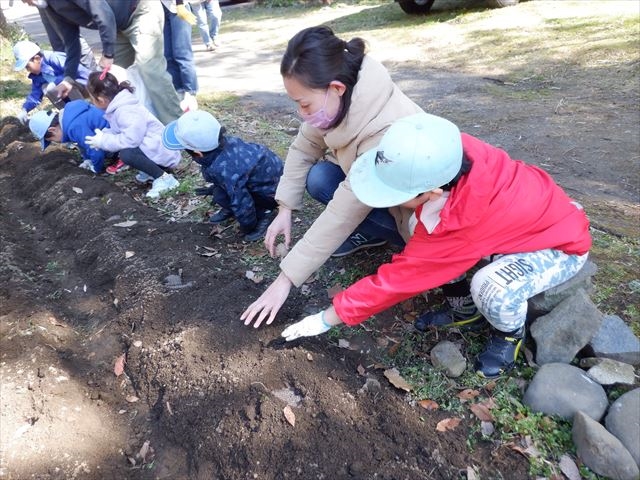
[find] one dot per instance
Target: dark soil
(208, 388)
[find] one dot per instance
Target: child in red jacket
(472, 202)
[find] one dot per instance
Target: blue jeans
(209, 17)
(179, 54)
(134, 157)
(323, 180)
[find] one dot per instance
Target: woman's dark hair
(464, 169)
(54, 123)
(315, 57)
(106, 85)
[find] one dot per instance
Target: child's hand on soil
(307, 327)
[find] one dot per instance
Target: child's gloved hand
(185, 14)
(307, 327)
(95, 141)
(23, 116)
(87, 165)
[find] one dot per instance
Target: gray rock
(610, 372)
(601, 451)
(562, 333)
(546, 301)
(561, 389)
(615, 340)
(446, 356)
(623, 421)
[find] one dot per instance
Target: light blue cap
(196, 130)
(417, 154)
(39, 124)
(24, 51)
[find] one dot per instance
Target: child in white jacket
(133, 131)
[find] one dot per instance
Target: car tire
(415, 6)
(501, 3)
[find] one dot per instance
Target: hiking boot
(220, 216)
(117, 167)
(162, 184)
(355, 242)
(500, 353)
(143, 178)
(449, 318)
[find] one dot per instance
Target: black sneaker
(448, 318)
(264, 220)
(356, 242)
(221, 216)
(500, 353)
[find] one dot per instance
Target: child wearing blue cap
(244, 175)
(72, 124)
(471, 202)
(46, 70)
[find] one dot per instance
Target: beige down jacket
(376, 103)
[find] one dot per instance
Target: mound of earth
(89, 273)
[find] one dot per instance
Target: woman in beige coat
(347, 101)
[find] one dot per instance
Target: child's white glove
(23, 116)
(95, 141)
(307, 327)
(87, 165)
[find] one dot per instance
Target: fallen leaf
(490, 386)
(569, 468)
(361, 370)
(207, 254)
(342, 343)
(393, 375)
(115, 302)
(118, 368)
(129, 254)
(76, 189)
(429, 404)
(289, 415)
(144, 450)
(468, 394)
(131, 398)
(409, 317)
(84, 288)
(122, 412)
(169, 409)
(55, 322)
(309, 357)
(482, 412)
(334, 290)
(447, 424)
(489, 403)
(137, 343)
(471, 474)
(128, 223)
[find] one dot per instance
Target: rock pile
(569, 330)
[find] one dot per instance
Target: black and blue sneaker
(500, 353)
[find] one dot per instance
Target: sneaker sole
(120, 170)
(359, 247)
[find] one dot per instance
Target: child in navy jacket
(244, 175)
(44, 67)
(72, 124)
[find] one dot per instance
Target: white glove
(23, 116)
(307, 327)
(87, 165)
(95, 141)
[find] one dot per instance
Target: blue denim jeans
(179, 54)
(323, 180)
(209, 17)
